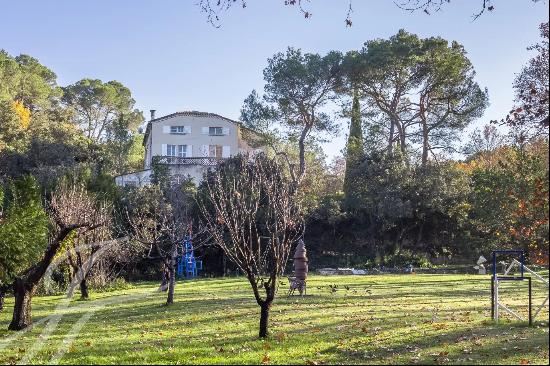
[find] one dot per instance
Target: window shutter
(204, 149)
(226, 151)
(205, 130)
(187, 129)
(189, 151)
(165, 129)
(164, 148)
(226, 130)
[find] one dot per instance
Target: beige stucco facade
(197, 137)
(191, 141)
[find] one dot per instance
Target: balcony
(178, 160)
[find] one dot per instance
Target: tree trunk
(2, 296)
(390, 141)
(83, 273)
(22, 292)
(84, 289)
(224, 264)
(425, 131)
(171, 281)
(264, 318)
(70, 292)
(73, 270)
(302, 154)
(425, 144)
(165, 272)
(401, 135)
(23, 287)
(420, 235)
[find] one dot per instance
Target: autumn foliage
(510, 198)
(23, 113)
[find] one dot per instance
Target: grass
(426, 319)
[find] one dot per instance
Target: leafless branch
(251, 213)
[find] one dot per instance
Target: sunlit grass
(379, 319)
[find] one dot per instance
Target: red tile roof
(193, 114)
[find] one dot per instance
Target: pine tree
(355, 155)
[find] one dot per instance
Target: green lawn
(435, 319)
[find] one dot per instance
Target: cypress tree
(355, 155)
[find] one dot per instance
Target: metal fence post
(530, 303)
(492, 297)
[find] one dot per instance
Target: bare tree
(213, 8)
(160, 221)
(483, 140)
(530, 115)
(81, 250)
(430, 6)
(248, 208)
(71, 208)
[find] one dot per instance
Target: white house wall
(136, 179)
(183, 172)
(161, 136)
(197, 137)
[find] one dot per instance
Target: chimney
(152, 114)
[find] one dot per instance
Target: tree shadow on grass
(233, 314)
(478, 343)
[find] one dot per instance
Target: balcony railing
(178, 160)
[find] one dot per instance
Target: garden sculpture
(480, 267)
(298, 281)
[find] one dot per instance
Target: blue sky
(173, 60)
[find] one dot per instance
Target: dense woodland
(411, 186)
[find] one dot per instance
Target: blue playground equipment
(187, 264)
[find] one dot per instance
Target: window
(177, 129)
(215, 151)
(215, 131)
(170, 150)
(182, 151)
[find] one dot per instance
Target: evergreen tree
(355, 155)
(23, 230)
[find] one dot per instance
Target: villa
(189, 143)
